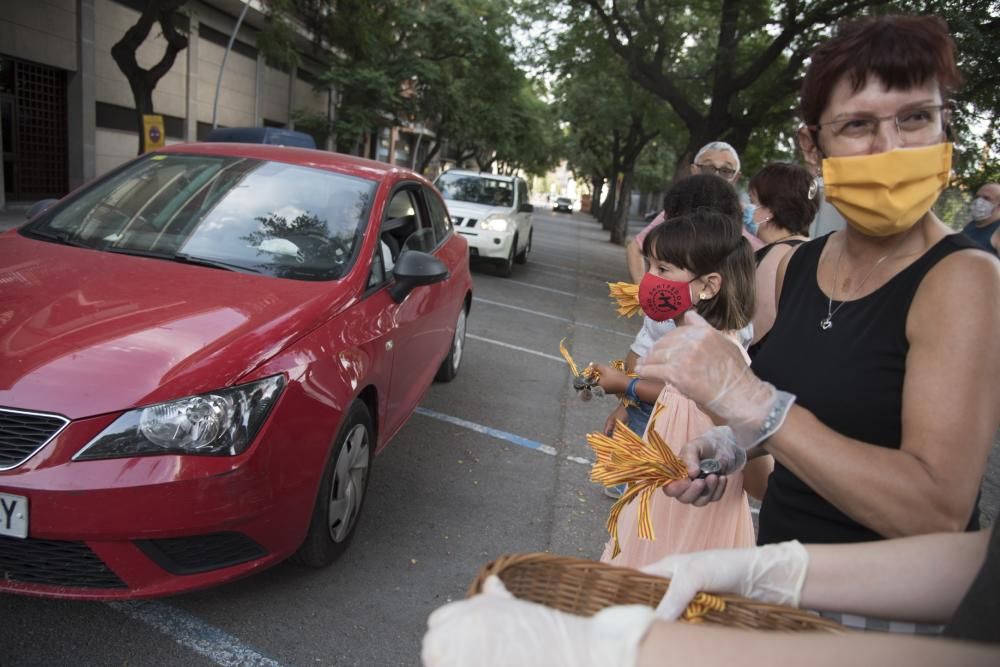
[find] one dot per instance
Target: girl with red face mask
(697, 262)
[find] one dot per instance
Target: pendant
(825, 323)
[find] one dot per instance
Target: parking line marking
(537, 313)
(193, 633)
(497, 433)
(516, 347)
(556, 291)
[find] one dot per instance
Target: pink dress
(681, 528)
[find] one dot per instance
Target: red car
(199, 355)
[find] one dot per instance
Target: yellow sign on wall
(153, 135)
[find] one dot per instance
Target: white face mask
(981, 208)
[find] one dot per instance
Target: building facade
(67, 111)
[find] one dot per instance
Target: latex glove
(709, 369)
(495, 628)
(774, 573)
(716, 443)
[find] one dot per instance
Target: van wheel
(506, 266)
(522, 257)
(341, 491)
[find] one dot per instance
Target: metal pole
(222, 67)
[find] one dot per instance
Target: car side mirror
(526, 208)
(413, 269)
(39, 207)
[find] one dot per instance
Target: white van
(492, 212)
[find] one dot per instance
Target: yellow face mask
(886, 193)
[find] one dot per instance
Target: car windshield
(235, 213)
(476, 189)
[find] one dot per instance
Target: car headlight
(495, 224)
(219, 423)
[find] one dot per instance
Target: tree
(726, 68)
(143, 81)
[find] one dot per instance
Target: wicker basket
(584, 587)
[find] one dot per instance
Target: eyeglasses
(914, 126)
(725, 172)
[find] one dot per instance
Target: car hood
(477, 211)
(84, 332)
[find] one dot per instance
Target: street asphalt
(459, 486)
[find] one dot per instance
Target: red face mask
(663, 299)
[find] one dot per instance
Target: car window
(405, 225)
(440, 220)
(522, 191)
(263, 217)
(476, 189)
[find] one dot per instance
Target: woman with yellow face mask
(875, 394)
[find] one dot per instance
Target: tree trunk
(426, 162)
(619, 230)
(607, 217)
(596, 183)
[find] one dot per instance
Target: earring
(704, 297)
(814, 188)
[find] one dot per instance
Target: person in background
(783, 199)
(718, 158)
(985, 226)
(903, 578)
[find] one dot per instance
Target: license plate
(13, 515)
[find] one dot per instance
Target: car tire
(341, 491)
(449, 367)
(522, 257)
(506, 266)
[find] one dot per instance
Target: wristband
(630, 391)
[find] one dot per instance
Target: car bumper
(151, 526)
(488, 245)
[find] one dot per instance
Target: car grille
(24, 433)
(201, 553)
(54, 563)
(468, 222)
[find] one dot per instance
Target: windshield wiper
(181, 258)
(65, 238)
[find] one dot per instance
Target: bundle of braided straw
(627, 296)
(646, 467)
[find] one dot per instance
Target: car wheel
(341, 491)
(506, 266)
(522, 257)
(449, 367)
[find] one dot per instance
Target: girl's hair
(706, 241)
(702, 191)
(902, 51)
(784, 189)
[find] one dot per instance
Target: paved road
(447, 496)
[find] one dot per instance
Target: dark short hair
(701, 191)
(902, 51)
(783, 188)
(706, 241)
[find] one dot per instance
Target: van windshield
(476, 189)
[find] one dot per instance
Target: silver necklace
(827, 322)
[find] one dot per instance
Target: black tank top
(849, 376)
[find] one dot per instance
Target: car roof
(338, 162)
(484, 174)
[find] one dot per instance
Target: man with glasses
(717, 158)
(985, 226)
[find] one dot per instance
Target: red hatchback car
(199, 355)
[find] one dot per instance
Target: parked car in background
(492, 212)
(564, 204)
(201, 352)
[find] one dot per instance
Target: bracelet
(630, 390)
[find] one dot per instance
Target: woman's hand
(717, 444)
(709, 369)
(774, 573)
(494, 628)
